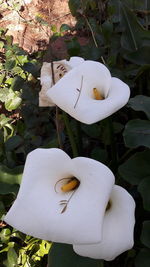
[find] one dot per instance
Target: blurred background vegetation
(117, 34)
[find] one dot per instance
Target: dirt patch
(26, 28)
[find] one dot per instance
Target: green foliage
(145, 236)
(118, 35)
(140, 103)
(137, 133)
(143, 258)
(143, 188)
(136, 167)
(67, 257)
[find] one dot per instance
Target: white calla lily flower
(118, 227)
(88, 92)
(60, 69)
(59, 197)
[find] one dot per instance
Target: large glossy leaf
(143, 258)
(136, 168)
(63, 255)
(144, 189)
(140, 103)
(137, 133)
(145, 236)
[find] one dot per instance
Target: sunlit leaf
(12, 258)
(11, 176)
(10, 64)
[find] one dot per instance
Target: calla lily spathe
(60, 69)
(118, 228)
(37, 210)
(74, 92)
(74, 89)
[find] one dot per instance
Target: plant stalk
(70, 135)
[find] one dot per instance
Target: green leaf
(10, 64)
(73, 47)
(4, 94)
(17, 83)
(136, 168)
(145, 236)
(90, 52)
(74, 5)
(2, 76)
(13, 100)
(143, 258)
(8, 188)
(31, 68)
(134, 35)
(13, 142)
(64, 28)
(144, 189)
(137, 133)
(63, 255)
(137, 4)
(99, 154)
(5, 234)
(54, 28)
(12, 258)
(139, 57)
(4, 120)
(11, 176)
(1, 44)
(91, 130)
(140, 103)
(2, 209)
(9, 39)
(107, 29)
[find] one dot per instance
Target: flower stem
(114, 162)
(101, 263)
(58, 129)
(70, 135)
(57, 112)
(79, 137)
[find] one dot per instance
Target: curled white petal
(74, 92)
(75, 61)
(37, 209)
(118, 227)
(60, 69)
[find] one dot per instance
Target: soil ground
(31, 34)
